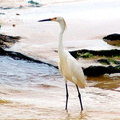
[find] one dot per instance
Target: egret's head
(56, 19)
(60, 20)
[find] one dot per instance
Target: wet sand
(32, 91)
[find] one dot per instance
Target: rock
(13, 25)
(7, 41)
(112, 39)
(107, 60)
(34, 3)
(17, 14)
(104, 61)
(107, 53)
(19, 56)
(101, 70)
(95, 70)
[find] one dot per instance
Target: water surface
(36, 91)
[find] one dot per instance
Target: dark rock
(13, 25)
(107, 53)
(100, 70)
(95, 70)
(104, 61)
(6, 40)
(112, 39)
(113, 36)
(74, 54)
(19, 56)
(34, 3)
(17, 14)
(109, 61)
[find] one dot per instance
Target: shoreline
(42, 38)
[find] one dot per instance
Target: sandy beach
(88, 21)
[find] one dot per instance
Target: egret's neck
(60, 44)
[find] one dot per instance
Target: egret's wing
(60, 67)
(61, 70)
(76, 72)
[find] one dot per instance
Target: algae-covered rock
(92, 53)
(107, 59)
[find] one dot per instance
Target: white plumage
(68, 65)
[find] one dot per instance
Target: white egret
(68, 65)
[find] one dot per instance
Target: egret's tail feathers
(82, 85)
(80, 82)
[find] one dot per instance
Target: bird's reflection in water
(82, 115)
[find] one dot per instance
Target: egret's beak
(45, 20)
(50, 19)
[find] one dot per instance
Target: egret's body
(71, 70)
(68, 65)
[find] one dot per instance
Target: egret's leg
(79, 95)
(66, 96)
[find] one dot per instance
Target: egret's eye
(54, 18)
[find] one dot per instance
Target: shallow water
(36, 91)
